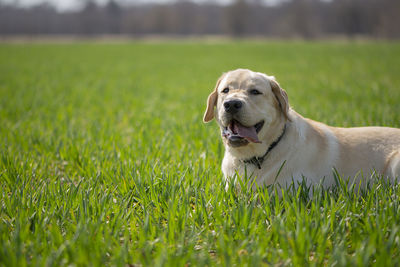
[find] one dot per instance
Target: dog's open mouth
(239, 135)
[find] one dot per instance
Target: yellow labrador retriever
(264, 137)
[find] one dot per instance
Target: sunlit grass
(105, 160)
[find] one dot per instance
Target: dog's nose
(233, 106)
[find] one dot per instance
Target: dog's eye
(226, 90)
(255, 92)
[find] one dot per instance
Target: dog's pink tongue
(246, 132)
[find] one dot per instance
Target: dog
(266, 139)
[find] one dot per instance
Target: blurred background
(305, 19)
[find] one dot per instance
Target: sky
(63, 5)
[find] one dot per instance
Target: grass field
(105, 159)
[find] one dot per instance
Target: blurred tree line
(288, 18)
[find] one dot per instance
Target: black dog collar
(259, 160)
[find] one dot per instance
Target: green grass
(105, 159)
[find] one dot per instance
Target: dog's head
(247, 104)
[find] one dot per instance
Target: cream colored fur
(308, 148)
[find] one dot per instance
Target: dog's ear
(281, 96)
(212, 102)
